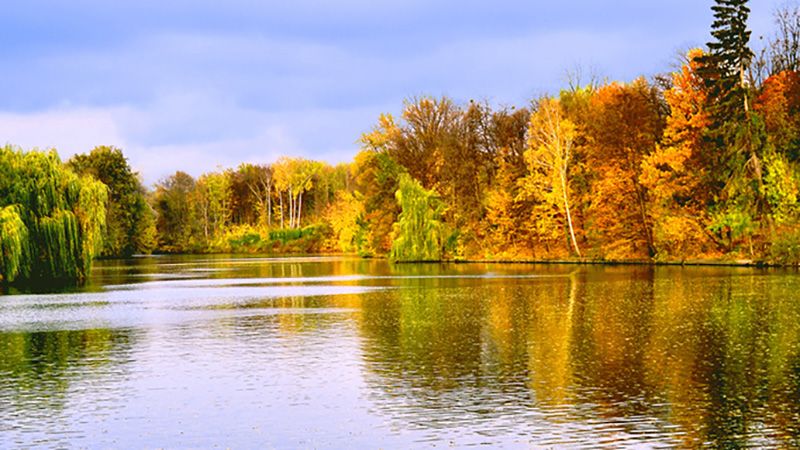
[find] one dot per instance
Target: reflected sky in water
(338, 352)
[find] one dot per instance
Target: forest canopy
(699, 163)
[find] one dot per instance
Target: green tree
(725, 67)
(130, 222)
(418, 231)
(210, 198)
(176, 219)
(51, 219)
(376, 176)
(737, 134)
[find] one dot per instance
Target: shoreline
(577, 262)
(635, 262)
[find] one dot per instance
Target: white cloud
(163, 137)
(69, 130)
(202, 112)
(198, 96)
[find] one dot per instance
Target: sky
(195, 85)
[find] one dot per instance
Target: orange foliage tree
(625, 124)
(675, 172)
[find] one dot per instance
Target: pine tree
(736, 134)
(724, 68)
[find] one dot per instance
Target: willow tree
(51, 220)
(418, 230)
(130, 222)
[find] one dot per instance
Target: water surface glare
(316, 352)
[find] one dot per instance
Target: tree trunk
(269, 207)
(569, 215)
(281, 195)
(648, 229)
(743, 86)
(291, 208)
(205, 221)
(299, 208)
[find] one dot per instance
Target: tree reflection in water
(692, 357)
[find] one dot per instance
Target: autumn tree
(624, 124)
(210, 198)
(245, 209)
(508, 210)
(784, 47)
(376, 176)
(429, 131)
(468, 166)
(328, 182)
(779, 104)
(447, 148)
(550, 149)
(577, 106)
(346, 216)
(255, 185)
(294, 177)
(675, 173)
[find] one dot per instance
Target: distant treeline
(701, 163)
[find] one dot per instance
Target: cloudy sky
(197, 84)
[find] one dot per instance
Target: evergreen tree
(736, 135)
(724, 68)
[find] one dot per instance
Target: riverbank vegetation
(700, 163)
(51, 219)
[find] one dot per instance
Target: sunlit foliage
(418, 231)
(701, 163)
(51, 219)
(550, 151)
(130, 222)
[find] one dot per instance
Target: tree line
(700, 163)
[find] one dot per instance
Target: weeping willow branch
(418, 231)
(51, 220)
(14, 250)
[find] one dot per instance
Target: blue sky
(197, 84)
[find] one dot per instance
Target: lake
(246, 352)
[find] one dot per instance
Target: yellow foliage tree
(550, 147)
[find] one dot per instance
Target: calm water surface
(210, 352)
